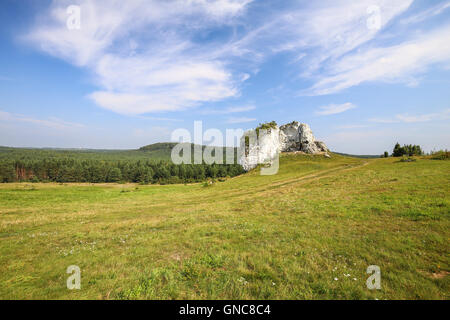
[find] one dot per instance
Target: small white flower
(243, 281)
(336, 279)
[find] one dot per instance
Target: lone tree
(386, 154)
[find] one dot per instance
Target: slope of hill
(157, 151)
(362, 156)
(309, 232)
(8, 153)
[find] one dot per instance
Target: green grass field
(309, 232)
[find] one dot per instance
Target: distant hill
(162, 146)
(9, 153)
(157, 151)
(162, 150)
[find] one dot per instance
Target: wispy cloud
(335, 47)
(51, 122)
(352, 126)
(397, 63)
(427, 14)
(335, 109)
(406, 118)
(159, 118)
(240, 120)
(318, 33)
(152, 133)
(139, 71)
(153, 56)
(229, 110)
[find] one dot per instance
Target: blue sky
(363, 74)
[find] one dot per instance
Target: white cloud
(240, 109)
(352, 126)
(240, 120)
(25, 131)
(142, 52)
(336, 49)
(146, 55)
(152, 134)
(397, 63)
(427, 14)
(329, 41)
(406, 118)
(335, 109)
(128, 103)
(51, 122)
(159, 118)
(318, 31)
(228, 110)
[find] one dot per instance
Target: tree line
(100, 171)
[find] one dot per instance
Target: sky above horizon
(363, 74)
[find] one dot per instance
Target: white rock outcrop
(263, 146)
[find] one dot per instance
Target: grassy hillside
(309, 232)
(358, 155)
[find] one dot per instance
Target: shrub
(440, 155)
(208, 183)
(266, 126)
(408, 159)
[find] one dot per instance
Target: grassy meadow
(309, 232)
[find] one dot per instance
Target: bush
(208, 183)
(408, 159)
(266, 126)
(440, 155)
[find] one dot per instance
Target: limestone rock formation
(262, 146)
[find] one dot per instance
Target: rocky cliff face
(263, 146)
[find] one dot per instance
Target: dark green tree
(7, 172)
(114, 175)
